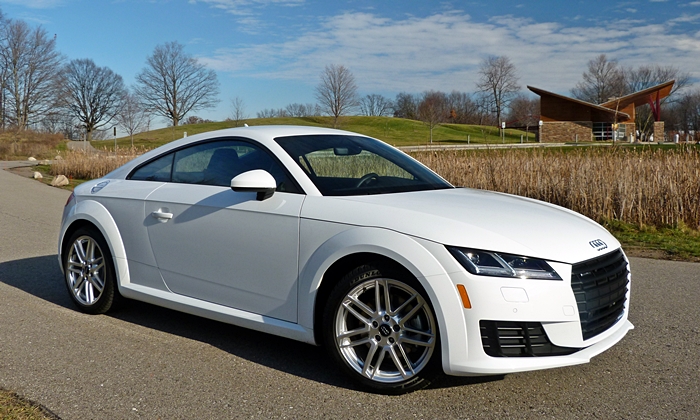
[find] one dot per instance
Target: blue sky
(270, 53)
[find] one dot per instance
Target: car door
(226, 247)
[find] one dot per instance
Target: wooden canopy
(651, 96)
(555, 107)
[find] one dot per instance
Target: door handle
(162, 216)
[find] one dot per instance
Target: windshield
(355, 165)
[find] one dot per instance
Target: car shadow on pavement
(286, 355)
(41, 277)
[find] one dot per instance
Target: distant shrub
(22, 144)
(90, 165)
(644, 187)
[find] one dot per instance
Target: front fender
(412, 253)
(96, 214)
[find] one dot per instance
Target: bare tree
(498, 83)
(337, 91)
(302, 110)
(296, 110)
(647, 76)
(485, 115)
(132, 117)
(238, 111)
(375, 105)
(603, 81)
(174, 83)
(462, 109)
(29, 61)
(267, 113)
(684, 115)
(525, 111)
(432, 110)
(91, 94)
(193, 119)
(406, 106)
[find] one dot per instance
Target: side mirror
(258, 181)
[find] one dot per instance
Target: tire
(89, 272)
(380, 328)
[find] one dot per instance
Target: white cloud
(443, 51)
(36, 4)
(246, 7)
(685, 18)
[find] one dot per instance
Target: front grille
(600, 287)
(518, 339)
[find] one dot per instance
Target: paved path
(475, 146)
(17, 164)
(81, 145)
(493, 146)
(148, 362)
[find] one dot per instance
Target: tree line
(498, 97)
(43, 90)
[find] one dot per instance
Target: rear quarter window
(157, 170)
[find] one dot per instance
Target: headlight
(496, 264)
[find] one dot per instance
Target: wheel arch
(356, 246)
(90, 213)
(340, 268)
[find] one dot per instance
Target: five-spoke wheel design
(384, 330)
(88, 270)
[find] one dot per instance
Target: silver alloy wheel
(385, 330)
(86, 270)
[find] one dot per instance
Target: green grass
(395, 131)
(14, 407)
(45, 170)
(675, 243)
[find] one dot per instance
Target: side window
(207, 163)
(224, 164)
(215, 163)
(157, 170)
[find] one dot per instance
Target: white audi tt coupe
(337, 239)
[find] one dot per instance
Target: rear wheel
(380, 328)
(89, 271)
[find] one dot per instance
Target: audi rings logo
(598, 244)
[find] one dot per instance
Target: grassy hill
(395, 131)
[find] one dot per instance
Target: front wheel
(380, 328)
(89, 271)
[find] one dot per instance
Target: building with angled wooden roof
(565, 119)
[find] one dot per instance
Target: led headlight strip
(496, 264)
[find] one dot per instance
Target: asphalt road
(149, 362)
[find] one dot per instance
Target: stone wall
(566, 131)
(659, 131)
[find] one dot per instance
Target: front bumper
(519, 325)
(482, 364)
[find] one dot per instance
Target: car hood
(472, 218)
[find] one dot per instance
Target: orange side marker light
(465, 297)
